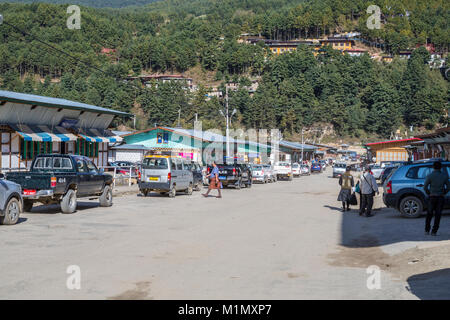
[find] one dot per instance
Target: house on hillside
(147, 81)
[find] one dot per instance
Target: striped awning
(97, 135)
(43, 133)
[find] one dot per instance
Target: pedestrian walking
(346, 182)
(436, 187)
(368, 186)
(214, 182)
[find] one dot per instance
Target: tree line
(357, 95)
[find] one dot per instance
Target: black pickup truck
(61, 178)
(234, 174)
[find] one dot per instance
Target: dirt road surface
(286, 240)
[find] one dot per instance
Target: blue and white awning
(43, 133)
(96, 135)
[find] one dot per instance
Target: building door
(63, 147)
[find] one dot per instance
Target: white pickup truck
(283, 170)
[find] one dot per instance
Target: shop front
(32, 125)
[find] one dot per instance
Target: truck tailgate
(29, 180)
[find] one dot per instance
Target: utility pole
(227, 117)
(302, 146)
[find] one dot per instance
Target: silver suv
(403, 189)
(11, 202)
(165, 174)
(339, 169)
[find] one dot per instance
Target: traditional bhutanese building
(340, 44)
(393, 150)
(32, 124)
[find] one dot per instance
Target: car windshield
(295, 166)
(340, 165)
(155, 163)
(256, 168)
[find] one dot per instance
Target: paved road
(286, 240)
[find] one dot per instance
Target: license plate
(153, 179)
(222, 178)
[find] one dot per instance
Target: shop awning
(96, 135)
(43, 133)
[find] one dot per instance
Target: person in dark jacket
(346, 182)
(436, 186)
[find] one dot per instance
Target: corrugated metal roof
(295, 145)
(32, 99)
(131, 147)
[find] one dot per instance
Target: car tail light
(139, 174)
(208, 170)
(169, 177)
(29, 192)
(53, 182)
(234, 171)
(389, 187)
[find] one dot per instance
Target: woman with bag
(346, 182)
(214, 182)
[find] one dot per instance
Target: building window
(159, 138)
(30, 149)
(166, 137)
(86, 148)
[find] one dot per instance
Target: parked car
(283, 170)
(404, 188)
(316, 167)
(234, 174)
(296, 170)
(166, 175)
(305, 169)
(123, 167)
(339, 169)
(386, 172)
(269, 171)
(376, 171)
(258, 174)
(197, 172)
(62, 179)
(11, 202)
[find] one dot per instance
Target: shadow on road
(56, 208)
(384, 228)
(431, 285)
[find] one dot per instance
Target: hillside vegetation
(357, 95)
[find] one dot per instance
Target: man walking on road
(436, 187)
(368, 186)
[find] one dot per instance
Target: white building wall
(129, 155)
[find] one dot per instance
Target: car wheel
(145, 192)
(69, 202)
(172, 192)
(249, 184)
(27, 205)
(12, 212)
(106, 199)
(411, 207)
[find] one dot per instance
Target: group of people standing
(436, 186)
(366, 187)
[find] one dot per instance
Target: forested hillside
(357, 95)
(90, 3)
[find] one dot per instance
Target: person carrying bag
(369, 187)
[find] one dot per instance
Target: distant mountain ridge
(90, 3)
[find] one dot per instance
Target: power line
(55, 48)
(24, 33)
